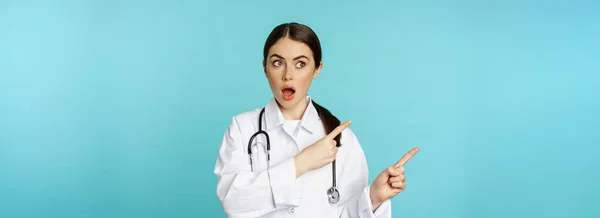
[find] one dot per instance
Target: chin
(288, 103)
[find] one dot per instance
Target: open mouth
(288, 92)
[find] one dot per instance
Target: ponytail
(330, 122)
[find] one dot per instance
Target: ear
(264, 66)
(318, 70)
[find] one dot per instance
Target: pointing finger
(406, 157)
(338, 130)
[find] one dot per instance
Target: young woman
(293, 158)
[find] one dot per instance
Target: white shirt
(275, 191)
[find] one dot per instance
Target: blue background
(117, 108)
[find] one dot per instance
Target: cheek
(271, 74)
(304, 79)
(273, 78)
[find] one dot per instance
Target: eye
(277, 63)
(300, 64)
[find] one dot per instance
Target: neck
(296, 112)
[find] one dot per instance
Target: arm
(355, 170)
(244, 193)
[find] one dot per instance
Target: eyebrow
(276, 55)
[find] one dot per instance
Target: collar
(274, 118)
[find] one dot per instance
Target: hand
(320, 153)
(390, 181)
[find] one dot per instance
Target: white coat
(276, 192)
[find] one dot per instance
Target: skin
(292, 63)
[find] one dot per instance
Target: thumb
(385, 174)
(393, 172)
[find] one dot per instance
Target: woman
(292, 172)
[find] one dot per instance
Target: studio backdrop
(118, 108)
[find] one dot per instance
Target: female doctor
(293, 158)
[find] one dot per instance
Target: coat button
(292, 210)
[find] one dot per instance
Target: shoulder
(247, 116)
(349, 139)
(244, 120)
(348, 134)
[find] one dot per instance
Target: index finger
(339, 129)
(406, 157)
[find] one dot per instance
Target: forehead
(289, 48)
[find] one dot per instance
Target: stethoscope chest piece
(333, 194)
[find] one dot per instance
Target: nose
(287, 74)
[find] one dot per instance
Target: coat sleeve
(244, 193)
(356, 171)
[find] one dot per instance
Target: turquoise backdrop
(117, 108)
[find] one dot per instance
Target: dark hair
(304, 34)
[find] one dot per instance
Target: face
(290, 69)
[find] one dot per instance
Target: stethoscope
(332, 193)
